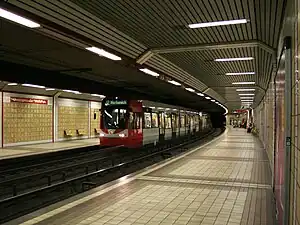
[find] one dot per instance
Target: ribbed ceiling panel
(74, 18)
(132, 27)
(163, 23)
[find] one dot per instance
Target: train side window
(147, 120)
(182, 121)
(161, 120)
(174, 121)
(131, 120)
(137, 121)
(154, 122)
(168, 121)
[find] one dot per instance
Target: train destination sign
(115, 102)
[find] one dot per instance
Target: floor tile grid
(183, 201)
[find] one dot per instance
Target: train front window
(114, 118)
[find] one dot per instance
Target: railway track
(57, 179)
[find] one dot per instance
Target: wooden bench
(79, 132)
(67, 133)
(96, 131)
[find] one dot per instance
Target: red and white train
(135, 123)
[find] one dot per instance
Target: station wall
(95, 118)
(31, 119)
(267, 120)
(73, 118)
(26, 118)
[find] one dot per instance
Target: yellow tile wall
(72, 118)
(95, 123)
(26, 122)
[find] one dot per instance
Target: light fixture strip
(247, 82)
(247, 97)
(18, 19)
(97, 95)
(252, 89)
(33, 85)
(190, 89)
(240, 73)
(233, 59)
(247, 94)
(217, 23)
(104, 53)
(149, 72)
(174, 82)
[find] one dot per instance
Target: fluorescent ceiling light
(212, 100)
(152, 107)
(247, 97)
(246, 100)
(200, 94)
(174, 82)
(250, 94)
(33, 85)
(50, 89)
(96, 95)
(242, 73)
(190, 89)
(12, 84)
(174, 109)
(250, 89)
(103, 53)
(233, 59)
(167, 108)
(247, 82)
(226, 110)
(70, 91)
(217, 23)
(150, 72)
(207, 97)
(18, 19)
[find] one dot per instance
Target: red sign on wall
(29, 100)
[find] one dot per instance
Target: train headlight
(101, 135)
(121, 135)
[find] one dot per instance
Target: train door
(161, 118)
(182, 125)
(187, 124)
(174, 125)
(135, 132)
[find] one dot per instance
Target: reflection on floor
(16, 151)
(225, 182)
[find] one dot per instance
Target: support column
(2, 120)
(288, 125)
(55, 117)
(89, 126)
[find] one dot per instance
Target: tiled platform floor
(226, 182)
(16, 151)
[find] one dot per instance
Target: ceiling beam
(141, 59)
(213, 46)
(201, 47)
